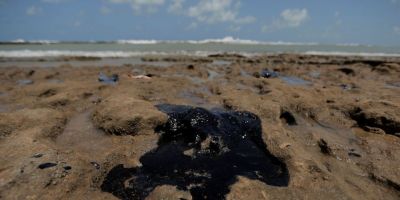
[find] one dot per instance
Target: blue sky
(322, 21)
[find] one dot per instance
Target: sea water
(135, 48)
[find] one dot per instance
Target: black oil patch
(47, 165)
(288, 118)
(367, 123)
(202, 152)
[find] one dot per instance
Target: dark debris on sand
(202, 152)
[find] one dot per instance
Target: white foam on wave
(352, 45)
(100, 54)
(18, 41)
(124, 54)
(21, 41)
(57, 53)
(232, 40)
(138, 41)
(225, 40)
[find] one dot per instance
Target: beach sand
(332, 122)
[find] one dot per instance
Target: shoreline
(133, 54)
(169, 59)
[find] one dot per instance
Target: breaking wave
(126, 54)
(225, 40)
(100, 54)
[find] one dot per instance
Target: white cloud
(235, 28)
(192, 26)
(202, 11)
(33, 10)
(218, 11)
(176, 6)
(266, 28)
(105, 10)
(138, 5)
(337, 18)
(246, 20)
(53, 1)
(289, 18)
(77, 23)
(332, 30)
(212, 11)
(396, 29)
(294, 17)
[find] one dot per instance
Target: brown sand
(345, 145)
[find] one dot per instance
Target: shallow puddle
(395, 85)
(202, 152)
(194, 80)
(82, 137)
(3, 108)
(24, 82)
(212, 75)
(244, 73)
(221, 62)
(197, 96)
(55, 81)
(293, 80)
(342, 139)
(315, 74)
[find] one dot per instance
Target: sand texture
(217, 127)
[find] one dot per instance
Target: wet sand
(328, 126)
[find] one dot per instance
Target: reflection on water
(3, 108)
(197, 96)
(395, 85)
(293, 80)
(82, 137)
(212, 75)
(221, 62)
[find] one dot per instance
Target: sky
(372, 22)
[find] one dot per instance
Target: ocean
(134, 48)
